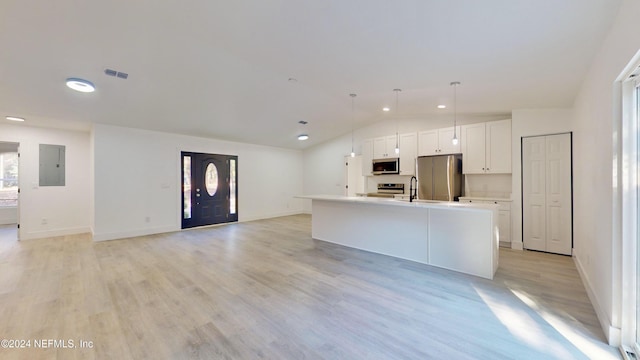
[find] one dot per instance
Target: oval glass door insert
(211, 179)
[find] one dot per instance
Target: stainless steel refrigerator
(439, 177)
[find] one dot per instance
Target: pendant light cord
(353, 96)
(455, 110)
(397, 114)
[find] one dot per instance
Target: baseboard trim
(34, 235)
(517, 245)
(270, 216)
(133, 233)
(612, 333)
(167, 229)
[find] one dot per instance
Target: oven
(387, 190)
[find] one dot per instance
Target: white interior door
(558, 202)
(546, 193)
(355, 180)
(533, 193)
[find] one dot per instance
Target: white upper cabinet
(445, 137)
(428, 143)
(486, 148)
(384, 147)
(499, 147)
(408, 152)
(473, 149)
(438, 142)
(367, 157)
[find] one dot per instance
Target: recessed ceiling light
(442, 106)
(14, 118)
(302, 137)
(386, 108)
(80, 85)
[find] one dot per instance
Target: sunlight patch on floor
(578, 339)
(524, 327)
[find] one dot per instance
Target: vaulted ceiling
(222, 69)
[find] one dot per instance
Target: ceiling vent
(118, 74)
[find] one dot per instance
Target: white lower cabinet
(504, 217)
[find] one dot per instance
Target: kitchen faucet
(413, 191)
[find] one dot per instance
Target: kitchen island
(450, 235)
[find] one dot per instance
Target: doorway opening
(209, 189)
(9, 191)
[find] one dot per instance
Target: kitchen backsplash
(491, 185)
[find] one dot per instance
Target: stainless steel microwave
(386, 166)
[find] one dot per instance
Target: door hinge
(18, 226)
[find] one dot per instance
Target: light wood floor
(266, 290)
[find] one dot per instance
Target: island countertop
(405, 203)
(456, 236)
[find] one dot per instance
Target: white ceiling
(220, 68)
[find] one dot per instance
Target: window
(186, 187)
(629, 179)
(232, 186)
(211, 179)
(8, 179)
(637, 258)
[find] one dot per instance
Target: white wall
(596, 125)
(137, 176)
(530, 123)
(65, 208)
(324, 169)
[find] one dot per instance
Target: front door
(209, 184)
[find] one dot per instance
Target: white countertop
(478, 198)
(396, 202)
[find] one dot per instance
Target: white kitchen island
(450, 235)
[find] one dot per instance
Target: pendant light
(455, 84)
(397, 136)
(353, 96)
